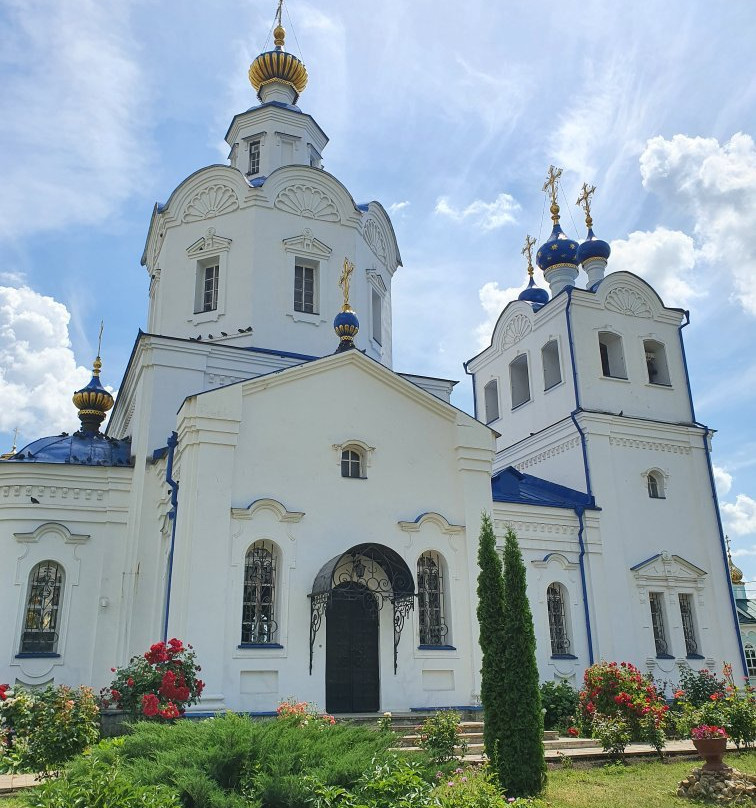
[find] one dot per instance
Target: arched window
(43, 603)
(491, 397)
(259, 603)
(656, 362)
(556, 598)
(750, 655)
(519, 380)
(352, 463)
(655, 482)
(431, 597)
(612, 356)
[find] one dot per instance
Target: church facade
(306, 517)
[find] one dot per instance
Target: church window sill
(247, 645)
(37, 655)
(436, 648)
(563, 656)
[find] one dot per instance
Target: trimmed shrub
(560, 702)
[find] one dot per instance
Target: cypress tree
(491, 624)
(521, 762)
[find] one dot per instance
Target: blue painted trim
(723, 547)
(589, 488)
(436, 647)
(563, 656)
(472, 707)
(665, 656)
(37, 655)
(259, 645)
(685, 364)
(172, 443)
(695, 656)
(650, 558)
(273, 352)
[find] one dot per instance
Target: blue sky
(449, 114)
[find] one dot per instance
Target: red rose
(150, 704)
(130, 682)
(573, 732)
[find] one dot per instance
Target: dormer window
(254, 157)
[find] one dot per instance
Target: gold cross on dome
(527, 251)
(278, 12)
(344, 279)
(552, 183)
(584, 200)
(99, 339)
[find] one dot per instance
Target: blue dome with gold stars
(557, 250)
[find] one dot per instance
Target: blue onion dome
(592, 247)
(93, 401)
(346, 325)
(532, 294)
(278, 65)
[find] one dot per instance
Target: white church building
(276, 495)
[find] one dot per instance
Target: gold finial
(344, 279)
(527, 251)
(552, 186)
(97, 364)
(279, 32)
(9, 455)
(584, 201)
(736, 574)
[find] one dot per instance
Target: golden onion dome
(736, 574)
(278, 65)
(93, 401)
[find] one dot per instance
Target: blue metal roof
(510, 485)
(81, 448)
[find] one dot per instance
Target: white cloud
(723, 481)
(484, 215)
(72, 106)
(494, 301)
(397, 207)
(716, 185)
(740, 516)
(38, 372)
(664, 258)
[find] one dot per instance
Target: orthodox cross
(584, 200)
(346, 274)
(527, 251)
(99, 339)
(278, 12)
(98, 363)
(15, 438)
(552, 183)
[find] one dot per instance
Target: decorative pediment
(556, 559)
(431, 517)
(375, 238)
(210, 243)
(517, 328)
(211, 201)
(278, 509)
(307, 244)
(53, 529)
(669, 570)
(307, 201)
(375, 278)
(629, 302)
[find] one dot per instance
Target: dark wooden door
(352, 682)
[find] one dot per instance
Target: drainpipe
(172, 443)
(589, 489)
(475, 397)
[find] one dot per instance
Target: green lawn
(641, 785)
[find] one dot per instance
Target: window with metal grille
(431, 595)
(556, 600)
(304, 288)
(43, 602)
(210, 279)
(351, 463)
(259, 605)
(254, 157)
(688, 624)
(750, 655)
(656, 601)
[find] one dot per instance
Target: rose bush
(159, 685)
(301, 713)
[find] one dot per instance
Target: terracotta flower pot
(711, 750)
